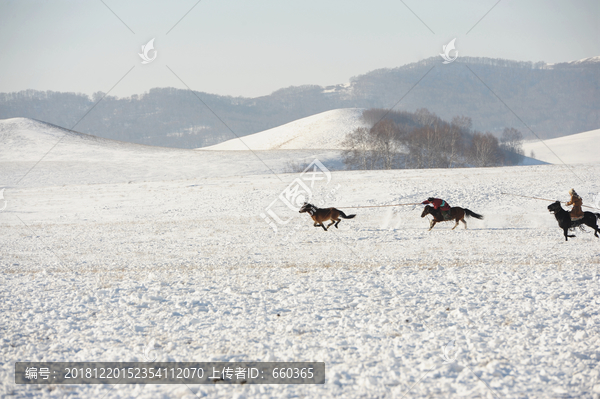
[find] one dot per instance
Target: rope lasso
(376, 206)
(543, 199)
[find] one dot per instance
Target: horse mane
(560, 212)
(563, 216)
(434, 211)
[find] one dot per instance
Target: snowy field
(118, 252)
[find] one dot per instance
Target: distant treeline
(552, 100)
(421, 140)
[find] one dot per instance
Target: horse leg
(455, 224)
(332, 222)
(592, 223)
(566, 230)
(338, 222)
(323, 226)
(465, 222)
(596, 230)
(431, 224)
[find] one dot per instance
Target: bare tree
(375, 148)
(421, 140)
(358, 153)
(428, 147)
(386, 142)
(425, 117)
(459, 128)
(374, 115)
(485, 150)
(512, 143)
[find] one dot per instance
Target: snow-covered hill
(573, 149)
(326, 130)
(589, 61)
(76, 158)
(118, 252)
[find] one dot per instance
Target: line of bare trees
(421, 140)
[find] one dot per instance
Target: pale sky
(252, 48)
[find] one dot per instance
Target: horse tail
(473, 214)
(343, 215)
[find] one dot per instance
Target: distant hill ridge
(552, 99)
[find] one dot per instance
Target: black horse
(564, 220)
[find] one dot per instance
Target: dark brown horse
(320, 215)
(456, 213)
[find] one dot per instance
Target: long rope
(543, 199)
(376, 206)
(418, 203)
(537, 198)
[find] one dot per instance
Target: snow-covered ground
(112, 250)
(325, 130)
(573, 149)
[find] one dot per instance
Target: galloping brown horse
(456, 213)
(320, 215)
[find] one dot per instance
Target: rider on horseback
(577, 202)
(439, 204)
